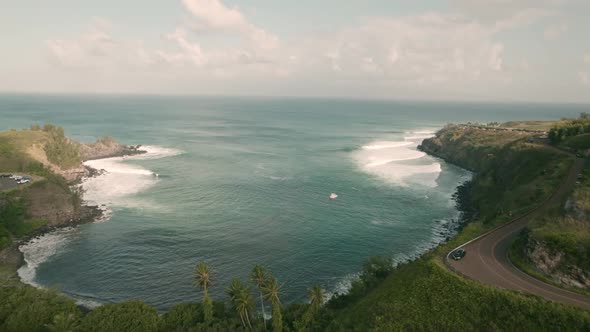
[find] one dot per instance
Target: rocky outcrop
(552, 263)
(107, 148)
(468, 147)
(56, 205)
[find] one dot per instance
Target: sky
(488, 50)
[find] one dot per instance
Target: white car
(23, 181)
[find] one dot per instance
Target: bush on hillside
(130, 316)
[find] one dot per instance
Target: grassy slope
(424, 295)
(15, 205)
(561, 231)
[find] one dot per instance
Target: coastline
(13, 258)
(448, 227)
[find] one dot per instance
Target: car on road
(23, 181)
(458, 254)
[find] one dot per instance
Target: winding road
(487, 255)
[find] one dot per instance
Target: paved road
(487, 260)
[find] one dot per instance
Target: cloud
(554, 31)
(455, 50)
(97, 48)
(214, 16)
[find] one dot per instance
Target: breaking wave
(398, 161)
(39, 249)
(122, 179)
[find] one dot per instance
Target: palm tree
(242, 301)
(316, 297)
(203, 281)
(271, 292)
(258, 277)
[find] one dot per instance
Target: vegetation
(564, 235)
(126, 316)
(570, 127)
(513, 175)
(259, 277)
(13, 218)
(271, 290)
(203, 281)
(423, 296)
(59, 149)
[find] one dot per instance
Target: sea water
(242, 181)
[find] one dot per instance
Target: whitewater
(243, 182)
(117, 182)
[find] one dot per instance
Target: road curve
(487, 256)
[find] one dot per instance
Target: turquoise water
(244, 181)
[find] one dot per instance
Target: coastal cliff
(515, 171)
(53, 198)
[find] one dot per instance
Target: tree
(63, 323)
(130, 316)
(241, 298)
(203, 281)
(317, 296)
(259, 277)
(271, 292)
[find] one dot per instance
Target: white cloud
(97, 48)
(454, 50)
(214, 16)
(554, 31)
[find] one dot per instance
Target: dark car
(458, 254)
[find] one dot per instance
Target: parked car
(458, 254)
(23, 181)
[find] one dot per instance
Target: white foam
(122, 179)
(39, 249)
(385, 145)
(385, 159)
(424, 132)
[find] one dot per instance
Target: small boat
(333, 196)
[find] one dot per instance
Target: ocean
(239, 181)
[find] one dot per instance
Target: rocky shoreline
(12, 257)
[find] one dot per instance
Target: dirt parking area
(7, 183)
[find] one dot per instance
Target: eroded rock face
(106, 148)
(552, 263)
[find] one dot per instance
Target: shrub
(130, 316)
